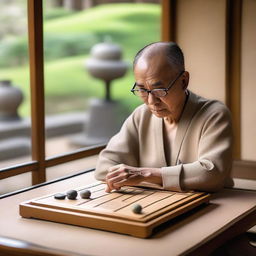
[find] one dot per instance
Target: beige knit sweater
(202, 155)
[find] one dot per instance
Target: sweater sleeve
(122, 148)
(210, 170)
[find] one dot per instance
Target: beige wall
(248, 81)
(201, 35)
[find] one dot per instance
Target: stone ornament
(10, 99)
(106, 64)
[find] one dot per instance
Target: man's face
(157, 73)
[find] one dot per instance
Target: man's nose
(152, 99)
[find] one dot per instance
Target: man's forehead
(156, 60)
(153, 66)
(142, 63)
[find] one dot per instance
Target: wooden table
(230, 212)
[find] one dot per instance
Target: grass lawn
(67, 83)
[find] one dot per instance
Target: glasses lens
(158, 92)
(140, 93)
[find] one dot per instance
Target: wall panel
(201, 35)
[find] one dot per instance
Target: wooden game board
(113, 211)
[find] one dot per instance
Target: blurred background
(71, 30)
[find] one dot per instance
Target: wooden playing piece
(113, 211)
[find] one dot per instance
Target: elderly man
(176, 139)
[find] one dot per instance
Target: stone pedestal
(104, 120)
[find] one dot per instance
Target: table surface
(180, 236)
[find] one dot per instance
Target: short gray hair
(173, 53)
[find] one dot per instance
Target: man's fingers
(114, 168)
(108, 189)
(120, 175)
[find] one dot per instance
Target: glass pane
(87, 50)
(15, 183)
(71, 167)
(15, 125)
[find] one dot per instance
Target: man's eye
(140, 88)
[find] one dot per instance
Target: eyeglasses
(161, 92)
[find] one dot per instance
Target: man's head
(171, 51)
(161, 65)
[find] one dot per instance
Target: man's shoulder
(209, 106)
(141, 110)
(140, 115)
(208, 112)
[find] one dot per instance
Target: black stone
(60, 196)
(72, 194)
(85, 194)
(137, 208)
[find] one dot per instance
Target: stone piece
(72, 194)
(137, 208)
(85, 194)
(60, 196)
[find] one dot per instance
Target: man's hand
(121, 175)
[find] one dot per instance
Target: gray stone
(137, 208)
(72, 194)
(85, 194)
(60, 196)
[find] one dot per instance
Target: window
(60, 84)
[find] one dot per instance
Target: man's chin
(160, 113)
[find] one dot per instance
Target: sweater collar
(183, 124)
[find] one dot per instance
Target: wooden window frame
(39, 162)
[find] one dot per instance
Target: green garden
(68, 38)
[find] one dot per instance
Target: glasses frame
(133, 90)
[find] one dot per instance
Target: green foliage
(130, 25)
(13, 51)
(56, 13)
(69, 44)
(68, 86)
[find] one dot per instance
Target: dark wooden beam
(233, 69)
(18, 169)
(36, 59)
(168, 22)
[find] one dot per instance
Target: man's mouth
(157, 110)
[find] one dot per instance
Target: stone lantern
(104, 115)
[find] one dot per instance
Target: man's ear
(185, 80)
